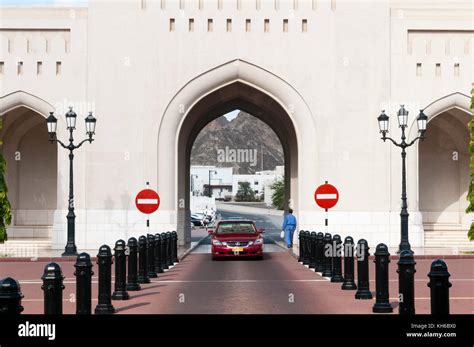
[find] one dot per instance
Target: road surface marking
(423, 298)
(324, 279)
(66, 300)
(454, 298)
(196, 281)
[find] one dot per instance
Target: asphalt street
(275, 285)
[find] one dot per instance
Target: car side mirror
(261, 230)
(210, 231)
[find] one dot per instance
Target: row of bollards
(323, 253)
(147, 257)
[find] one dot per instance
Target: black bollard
(10, 297)
(83, 275)
(120, 292)
(170, 249)
(336, 260)
(439, 287)
(104, 260)
(301, 246)
(175, 248)
(327, 272)
(53, 289)
(164, 251)
(406, 282)
(158, 267)
(150, 256)
(132, 276)
(142, 261)
(312, 250)
(306, 247)
(319, 252)
(382, 260)
(348, 283)
(363, 290)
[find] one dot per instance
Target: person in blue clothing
(289, 227)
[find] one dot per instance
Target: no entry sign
(147, 201)
(326, 196)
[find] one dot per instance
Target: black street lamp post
(210, 191)
(51, 121)
(192, 183)
(383, 120)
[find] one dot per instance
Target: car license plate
(237, 249)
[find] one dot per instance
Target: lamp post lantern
(383, 121)
(51, 121)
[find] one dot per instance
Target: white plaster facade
(202, 174)
(257, 182)
(318, 72)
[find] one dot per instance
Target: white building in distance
(260, 182)
(220, 180)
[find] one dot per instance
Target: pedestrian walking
(289, 227)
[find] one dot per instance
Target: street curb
(74, 258)
(395, 256)
(190, 249)
(279, 244)
(434, 256)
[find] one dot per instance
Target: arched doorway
(444, 177)
(240, 96)
(234, 85)
(31, 173)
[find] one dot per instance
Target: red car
(236, 238)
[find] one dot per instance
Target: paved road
(262, 217)
(277, 284)
(270, 220)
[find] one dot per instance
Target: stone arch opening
(32, 172)
(237, 95)
(234, 85)
(442, 172)
(444, 168)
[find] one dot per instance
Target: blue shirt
(289, 222)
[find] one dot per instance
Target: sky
(231, 115)
(43, 2)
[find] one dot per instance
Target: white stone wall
(338, 62)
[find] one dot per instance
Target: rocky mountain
(245, 143)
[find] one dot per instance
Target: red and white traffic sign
(147, 201)
(326, 196)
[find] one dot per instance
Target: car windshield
(236, 228)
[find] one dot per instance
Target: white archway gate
(269, 88)
(32, 166)
(441, 172)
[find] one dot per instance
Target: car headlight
(256, 242)
(216, 243)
